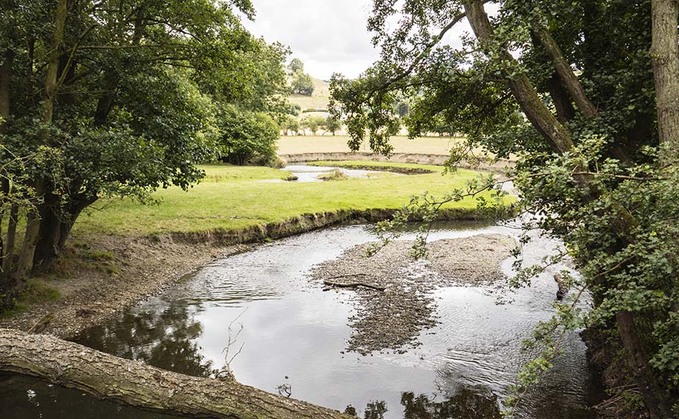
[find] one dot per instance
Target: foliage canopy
(116, 98)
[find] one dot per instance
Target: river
(286, 334)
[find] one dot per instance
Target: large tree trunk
(564, 109)
(32, 236)
(6, 70)
(554, 132)
(47, 246)
(665, 58)
(655, 398)
(5, 79)
(564, 72)
(136, 384)
(55, 227)
(52, 76)
(8, 250)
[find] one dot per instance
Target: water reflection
(305, 173)
(163, 335)
(25, 397)
(469, 402)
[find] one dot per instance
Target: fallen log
(352, 285)
(136, 384)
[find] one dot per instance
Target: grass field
(310, 102)
(319, 99)
(237, 197)
(338, 144)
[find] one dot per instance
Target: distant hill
(317, 101)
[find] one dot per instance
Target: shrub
(247, 137)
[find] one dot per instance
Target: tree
(112, 98)
(332, 124)
(313, 123)
(300, 83)
(247, 137)
(290, 124)
(296, 65)
(580, 104)
(402, 108)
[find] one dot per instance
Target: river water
(259, 313)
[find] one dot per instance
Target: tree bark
(665, 58)
(6, 71)
(51, 79)
(8, 251)
(655, 399)
(565, 72)
(47, 246)
(55, 227)
(5, 79)
(26, 257)
(557, 136)
(564, 109)
(136, 384)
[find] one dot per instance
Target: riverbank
(99, 275)
(121, 251)
(95, 279)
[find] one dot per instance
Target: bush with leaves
(313, 123)
(247, 137)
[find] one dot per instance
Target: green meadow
(233, 197)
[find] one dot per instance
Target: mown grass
(239, 197)
(224, 173)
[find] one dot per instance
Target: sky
(327, 35)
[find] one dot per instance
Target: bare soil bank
(97, 279)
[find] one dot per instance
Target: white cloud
(328, 35)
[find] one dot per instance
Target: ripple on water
(294, 333)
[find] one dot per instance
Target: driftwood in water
(133, 383)
(562, 287)
(329, 282)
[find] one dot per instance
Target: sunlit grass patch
(225, 173)
(238, 197)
